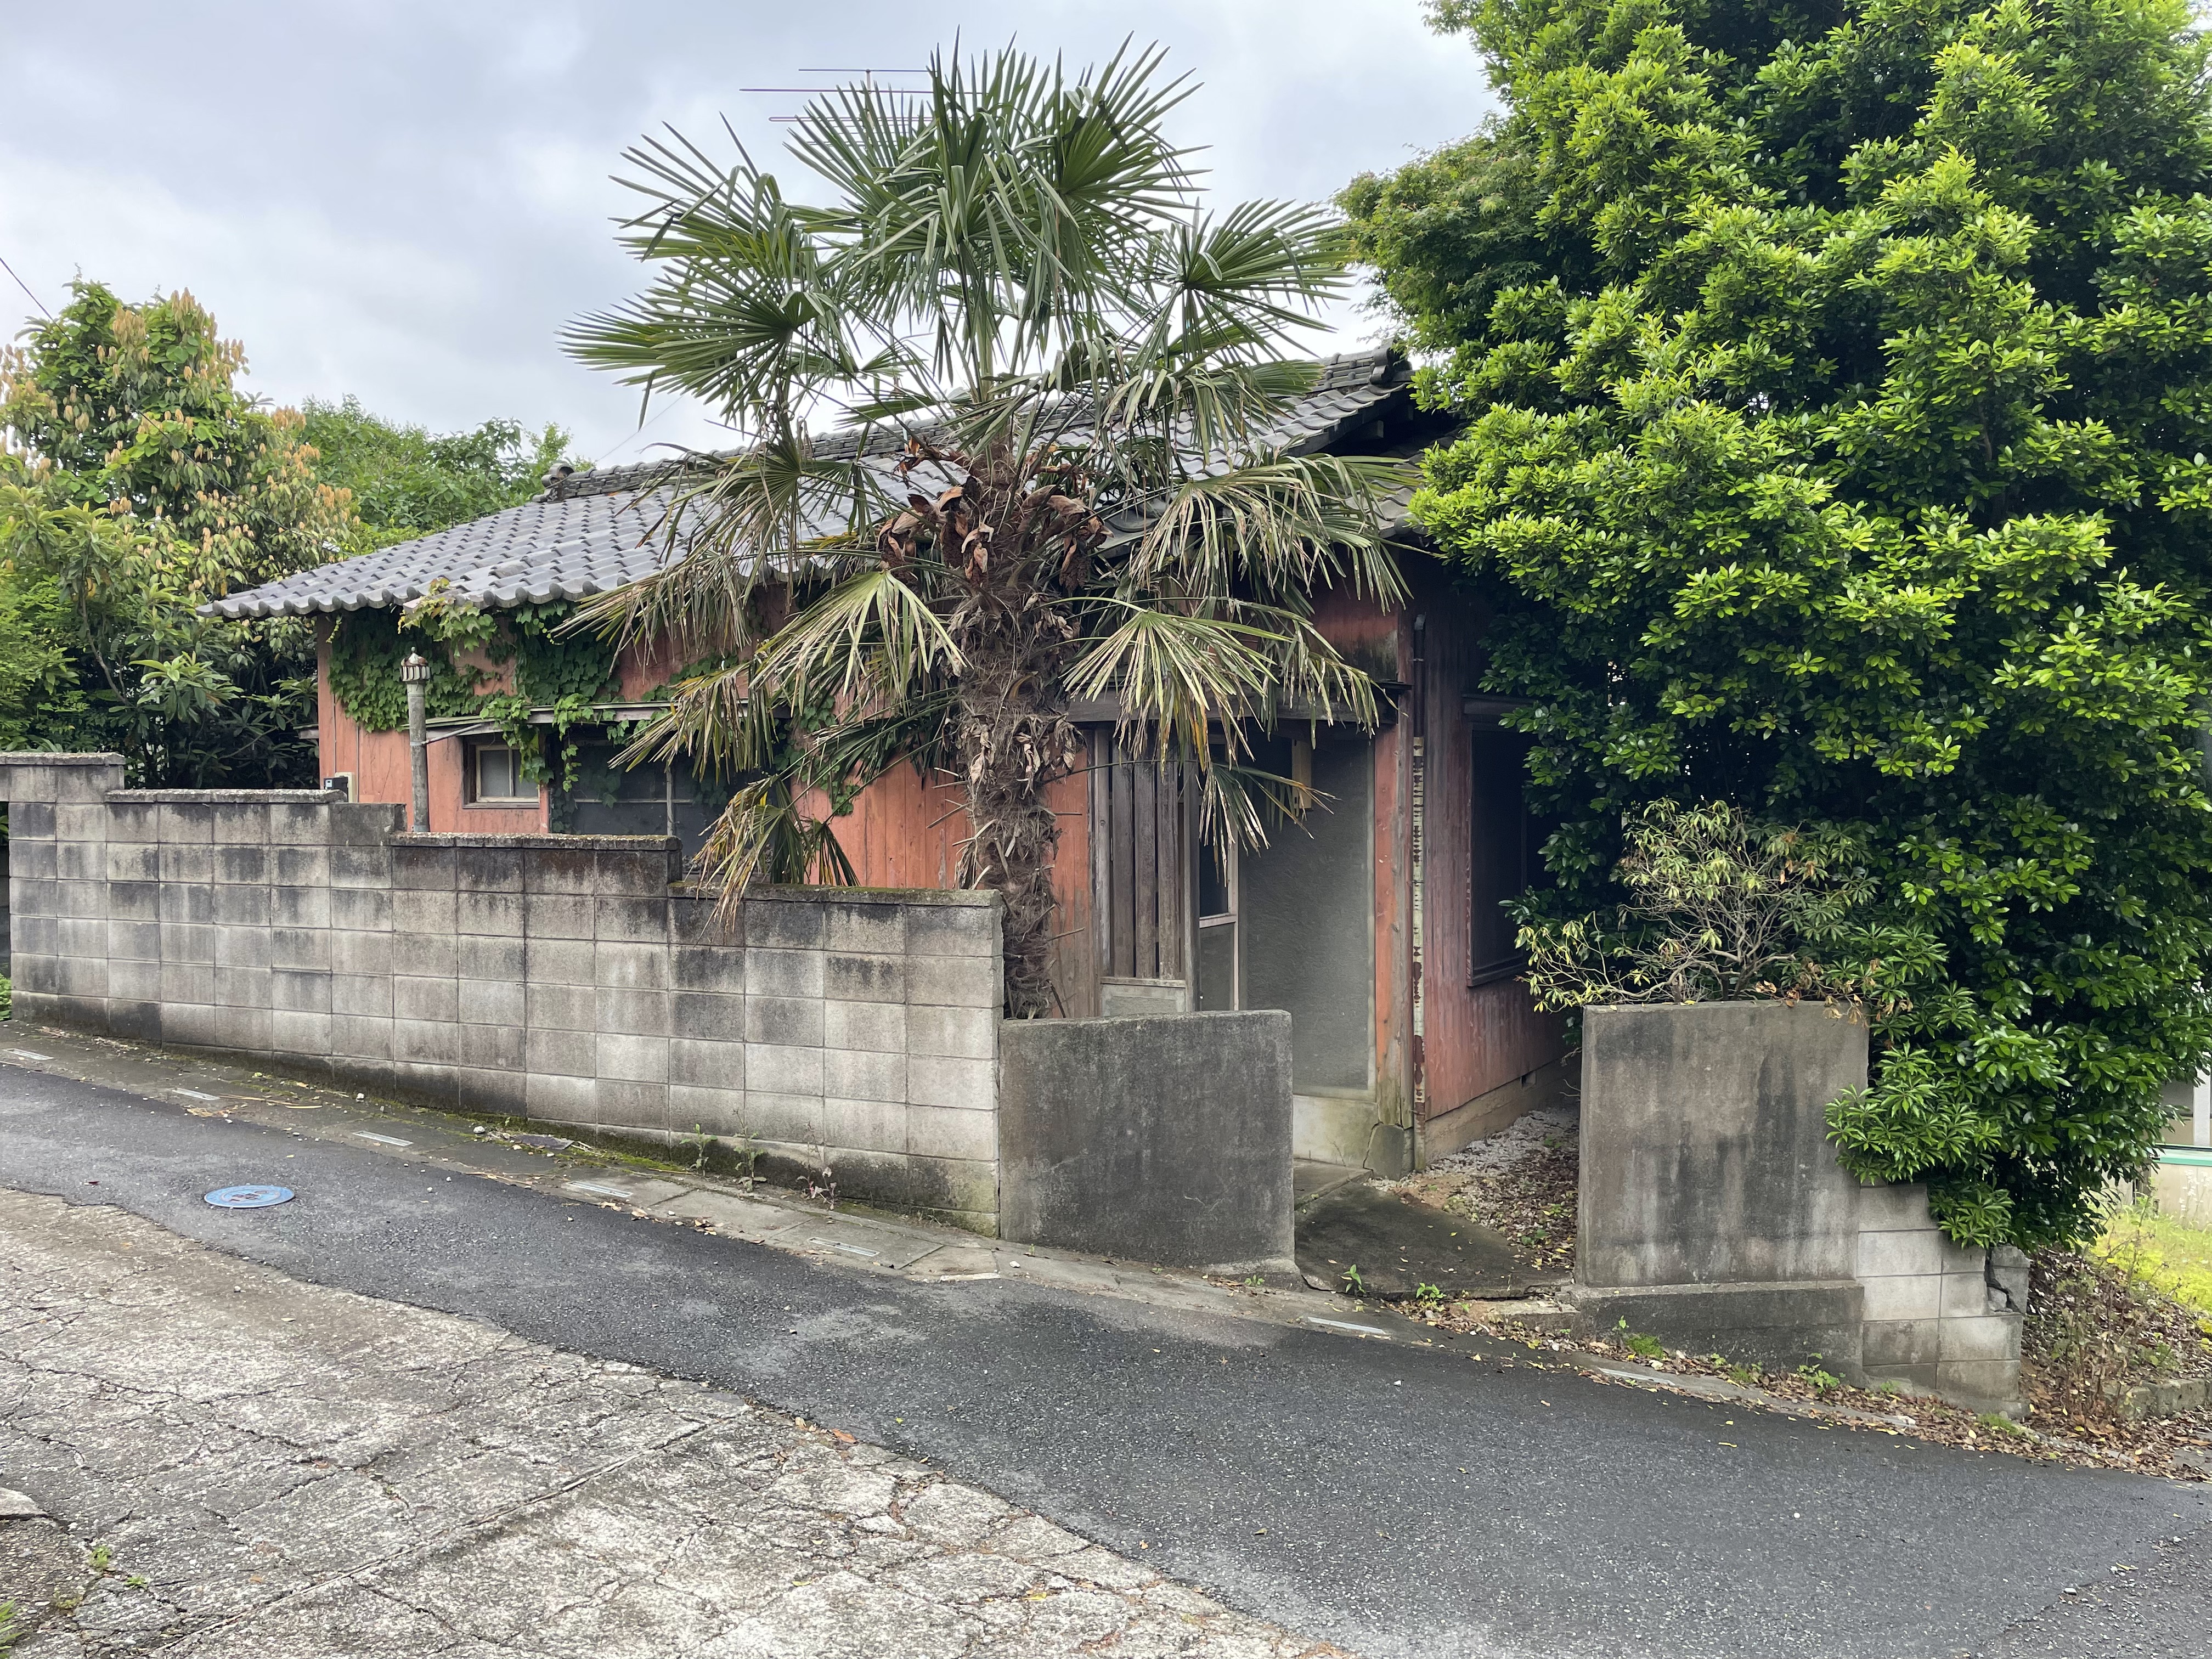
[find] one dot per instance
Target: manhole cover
(248, 1198)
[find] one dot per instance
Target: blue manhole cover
(247, 1198)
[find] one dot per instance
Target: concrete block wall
(564, 979)
(1939, 1317)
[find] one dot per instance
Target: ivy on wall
(565, 673)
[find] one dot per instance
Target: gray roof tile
(598, 533)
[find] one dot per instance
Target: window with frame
(494, 776)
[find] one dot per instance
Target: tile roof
(594, 532)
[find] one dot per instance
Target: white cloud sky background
(406, 201)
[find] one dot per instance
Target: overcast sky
(406, 201)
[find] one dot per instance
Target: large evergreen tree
(1838, 382)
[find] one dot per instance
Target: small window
(495, 776)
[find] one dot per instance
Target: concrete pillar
(416, 673)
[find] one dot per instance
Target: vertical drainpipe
(416, 674)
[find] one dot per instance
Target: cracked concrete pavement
(263, 1464)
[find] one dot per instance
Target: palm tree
(1049, 378)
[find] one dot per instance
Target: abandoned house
(1376, 924)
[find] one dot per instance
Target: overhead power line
(26, 287)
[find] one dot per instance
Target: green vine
(565, 673)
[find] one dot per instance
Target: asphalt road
(1400, 1502)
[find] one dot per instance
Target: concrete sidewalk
(239, 1461)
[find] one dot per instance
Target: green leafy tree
(1008, 285)
(1839, 390)
(406, 481)
(137, 483)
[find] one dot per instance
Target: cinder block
(776, 1069)
(881, 1027)
(414, 999)
(938, 1080)
(31, 897)
(488, 1001)
(706, 968)
(242, 988)
(967, 1185)
(493, 1048)
(494, 915)
(184, 982)
(489, 869)
(241, 822)
(1984, 1337)
(1900, 1342)
(954, 981)
(364, 823)
(624, 1103)
(875, 1125)
(1893, 1207)
(299, 991)
(488, 959)
(186, 822)
(707, 1064)
(784, 924)
(365, 954)
(33, 858)
(955, 1033)
(193, 1025)
(1920, 1378)
(561, 1098)
(421, 866)
(697, 917)
(134, 1021)
(561, 961)
(134, 820)
(853, 978)
(426, 1043)
(634, 967)
(778, 973)
(131, 861)
(364, 994)
(134, 981)
(35, 936)
(562, 1054)
(82, 937)
(701, 1014)
(134, 901)
(83, 822)
(631, 920)
(642, 872)
(32, 973)
(300, 907)
(245, 866)
(788, 1022)
(86, 898)
(360, 1036)
(951, 930)
(243, 1026)
(426, 956)
(1990, 1381)
(863, 1074)
(424, 910)
(299, 825)
(771, 1115)
(241, 947)
(299, 1032)
(698, 1110)
(134, 941)
(626, 1012)
(946, 1132)
(493, 1091)
(556, 915)
(31, 818)
(240, 906)
(361, 910)
(354, 865)
(1904, 1296)
(564, 869)
(301, 866)
(632, 1059)
(1964, 1258)
(81, 976)
(550, 1007)
(1918, 1251)
(1965, 1296)
(182, 902)
(300, 947)
(865, 928)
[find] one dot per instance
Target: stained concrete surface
(1398, 1246)
(297, 1470)
(1397, 1500)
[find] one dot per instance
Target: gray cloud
(407, 201)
